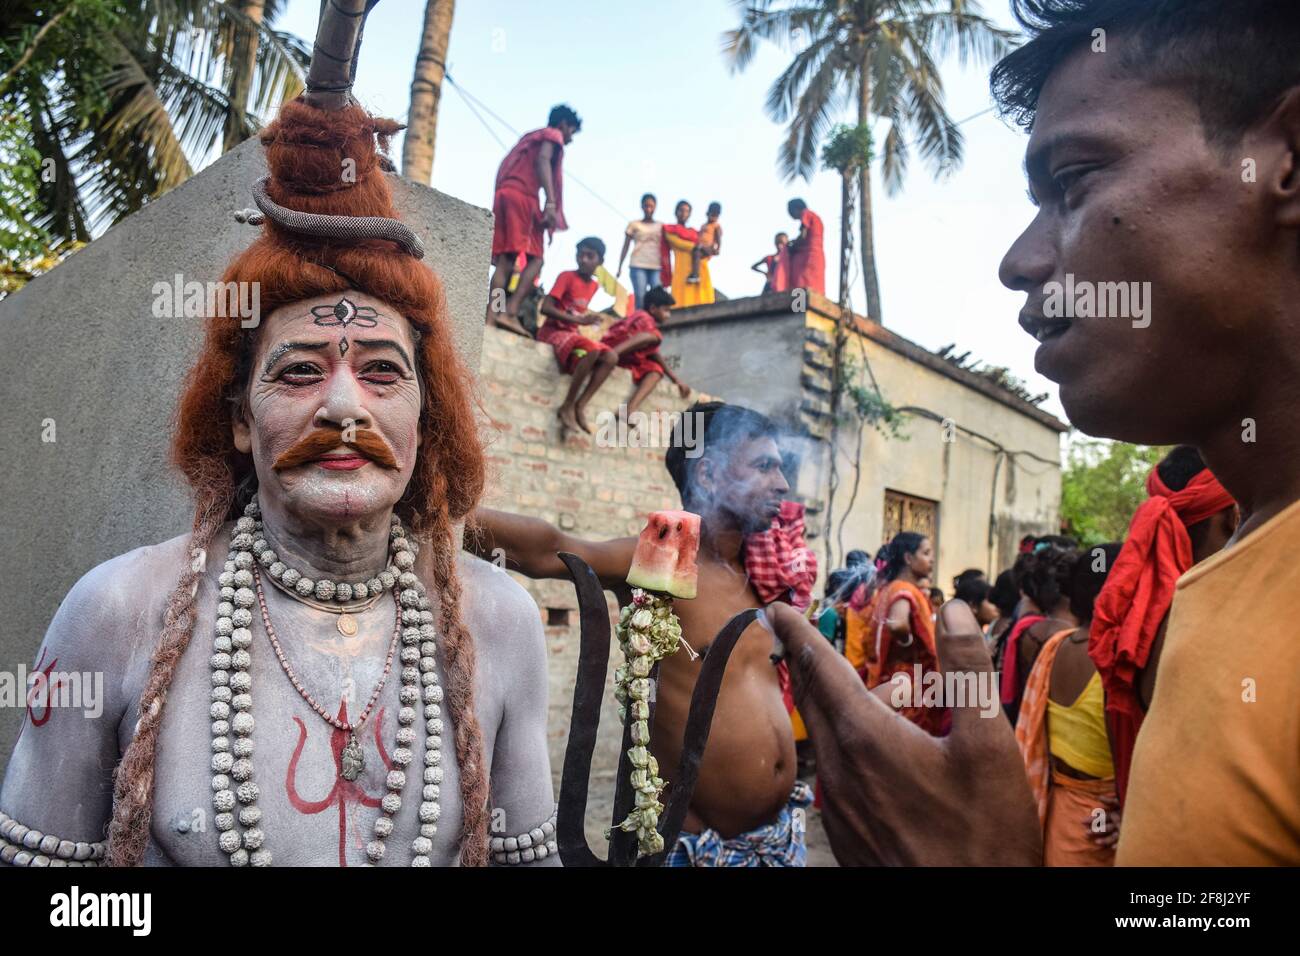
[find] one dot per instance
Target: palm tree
(125, 97)
(243, 65)
(426, 91)
(880, 56)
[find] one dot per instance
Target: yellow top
(1077, 734)
(1216, 768)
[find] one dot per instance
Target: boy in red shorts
(635, 340)
(565, 309)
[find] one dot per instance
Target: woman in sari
(679, 242)
(895, 630)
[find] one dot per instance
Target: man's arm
(636, 343)
(543, 165)
(893, 793)
(58, 786)
(530, 546)
(627, 244)
(668, 372)
(550, 308)
(508, 630)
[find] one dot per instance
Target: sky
(663, 113)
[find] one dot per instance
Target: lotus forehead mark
(345, 312)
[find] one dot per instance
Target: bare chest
(315, 810)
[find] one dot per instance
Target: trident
(593, 660)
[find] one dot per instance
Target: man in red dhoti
(807, 255)
(535, 162)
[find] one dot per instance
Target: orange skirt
(1067, 835)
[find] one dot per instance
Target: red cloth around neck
(1136, 597)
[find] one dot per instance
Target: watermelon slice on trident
(665, 554)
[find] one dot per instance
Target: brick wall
(583, 487)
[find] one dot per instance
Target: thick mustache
(323, 440)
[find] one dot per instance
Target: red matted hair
(310, 153)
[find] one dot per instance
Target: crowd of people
(1075, 635)
(668, 267)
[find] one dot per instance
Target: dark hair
(1062, 541)
(856, 557)
(797, 203)
(836, 582)
(1024, 561)
(1235, 59)
(1005, 593)
(564, 114)
(779, 235)
(936, 597)
(650, 196)
(714, 207)
(895, 553)
(1086, 582)
(592, 242)
(1180, 466)
(656, 297)
(971, 586)
(683, 202)
(719, 427)
(1047, 576)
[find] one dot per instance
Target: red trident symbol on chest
(344, 791)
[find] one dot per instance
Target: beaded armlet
(528, 847)
(25, 846)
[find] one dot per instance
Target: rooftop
(776, 302)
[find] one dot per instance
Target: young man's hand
(548, 217)
(892, 794)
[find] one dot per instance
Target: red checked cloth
(781, 567)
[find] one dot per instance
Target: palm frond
(63, 211)
(974, 39)
(789, 91)
(782, 27)
(281, 62)
(894, 158)
(813, 116)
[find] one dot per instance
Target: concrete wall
(749, 351)
(945, 463)
(590, 490)
(82, 347)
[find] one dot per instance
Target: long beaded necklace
(353, 757)
(231, 708)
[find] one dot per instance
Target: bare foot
(568, 423)
(509, 323)
(582, 419)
